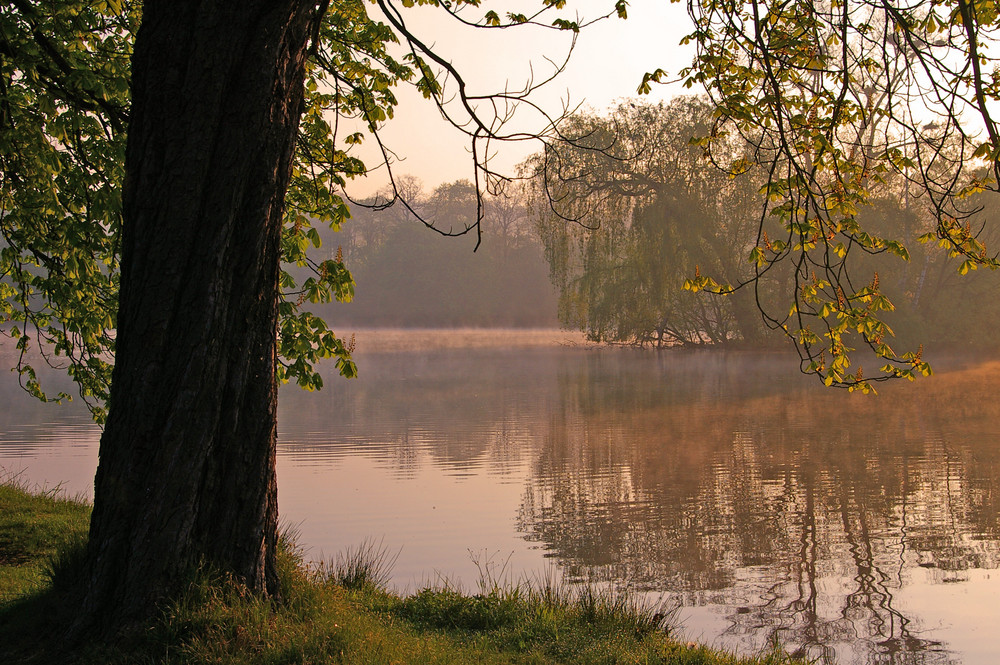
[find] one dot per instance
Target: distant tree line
(410, 276)
(634, 208)
(606, 231)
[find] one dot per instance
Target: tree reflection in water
(803, 513)
(796, 512)
(799, 513)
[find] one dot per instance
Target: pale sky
(607, 65)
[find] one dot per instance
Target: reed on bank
(340, 612)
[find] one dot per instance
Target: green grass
(334, 613)
(34, 527)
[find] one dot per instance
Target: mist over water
(852, 528)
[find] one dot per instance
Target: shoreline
(334, 612)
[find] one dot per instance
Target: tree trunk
(747, 316)
(187, 459)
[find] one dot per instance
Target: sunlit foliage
(64, 69)
(838, 97)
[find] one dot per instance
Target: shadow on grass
(33, 627)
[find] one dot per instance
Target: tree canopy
(64, 71)
(65, 100)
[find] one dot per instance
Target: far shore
(380, 340)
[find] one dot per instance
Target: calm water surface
(853, 529)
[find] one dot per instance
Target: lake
(854, 529)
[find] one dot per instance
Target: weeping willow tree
(628, 209)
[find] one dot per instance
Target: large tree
(187, 470)
(234, 115)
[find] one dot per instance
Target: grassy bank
(339, 613)
(34, 527)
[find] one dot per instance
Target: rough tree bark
(187, 459)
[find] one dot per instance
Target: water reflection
(802, 513)
(48, 445)
(850, 528)
(792, 512)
